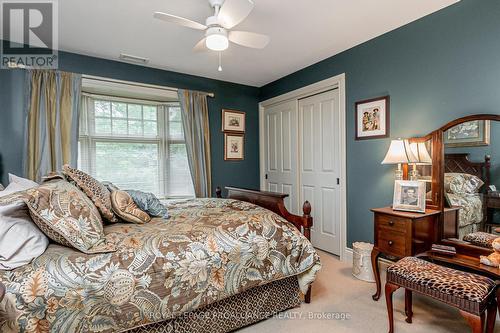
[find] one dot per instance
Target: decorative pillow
(149, 203)
(53, 176)
(460, 183)
(110, 186)
(97, 192)
(125, 207)
(482, 239)
(68, 217)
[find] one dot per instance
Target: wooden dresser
(400, 234)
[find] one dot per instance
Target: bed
(465, 182)
(215, 265)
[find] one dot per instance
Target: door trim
(313, 89)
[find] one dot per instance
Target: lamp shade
(420, 151)
(399, 152)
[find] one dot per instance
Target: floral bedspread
(208, 250)
(470, 216)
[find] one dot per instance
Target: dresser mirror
(473, 149)
(469, 180)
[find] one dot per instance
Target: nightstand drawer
(392, 223)
(392, 242)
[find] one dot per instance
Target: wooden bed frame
(275, 203)
(460, 163)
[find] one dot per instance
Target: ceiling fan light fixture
(217, 39)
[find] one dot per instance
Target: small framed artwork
(233, 121)
(470, 134)
(372, 118)
(409, 196)
(234, 147)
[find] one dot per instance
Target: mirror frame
(438, 166)
(440, 133)
(437, 137)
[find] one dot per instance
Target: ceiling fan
(218, 33)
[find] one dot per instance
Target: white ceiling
(302, 32)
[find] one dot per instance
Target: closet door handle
(390, 243)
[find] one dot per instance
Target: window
(135, 145)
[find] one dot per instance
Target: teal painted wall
(227, 95)
(436, 69)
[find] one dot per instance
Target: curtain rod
(137, 84)
(127, 99)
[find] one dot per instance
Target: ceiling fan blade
(201, 46)
(233, 12)
(179, 20)
(249, 39)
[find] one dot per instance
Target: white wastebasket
(362, 261)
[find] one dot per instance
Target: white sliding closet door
(281, 146)
(320, 166)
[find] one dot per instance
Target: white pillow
(14, 187)
(20, 239)
(22, 181)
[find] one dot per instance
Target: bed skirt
(234, 312)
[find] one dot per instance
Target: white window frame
(87, 141)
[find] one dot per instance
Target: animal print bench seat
(466, 291)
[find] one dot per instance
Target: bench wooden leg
(491, 316)
(389, 290)
(475, 322)
(408, 306)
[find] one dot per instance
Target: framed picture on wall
(409, 196)
(234, 147)
(470, 134)
(233, 121)
(372, 118)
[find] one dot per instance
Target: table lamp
(399, 152)
(419, 149)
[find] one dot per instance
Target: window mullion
(163, 113)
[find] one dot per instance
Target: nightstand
(401, 234)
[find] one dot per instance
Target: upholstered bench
(472, 294)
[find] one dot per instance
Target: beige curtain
(52, 105)
(194, 108)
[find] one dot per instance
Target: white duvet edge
(307, 278)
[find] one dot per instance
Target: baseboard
(348, 254)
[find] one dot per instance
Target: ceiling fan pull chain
(220, 62)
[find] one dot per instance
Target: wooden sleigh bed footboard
(275, 203)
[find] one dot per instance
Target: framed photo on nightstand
(409, 196)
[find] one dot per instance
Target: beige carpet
(336, 291)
